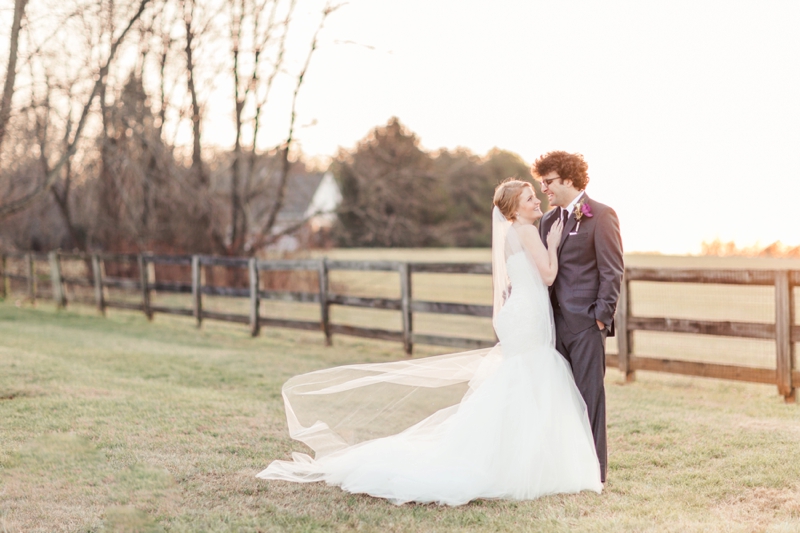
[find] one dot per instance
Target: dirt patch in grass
(12, 394)
(759, 506)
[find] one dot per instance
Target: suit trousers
(586, 354)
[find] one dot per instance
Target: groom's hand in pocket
(600, 325)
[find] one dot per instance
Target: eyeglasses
(549, 181)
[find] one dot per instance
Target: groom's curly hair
(568, 166)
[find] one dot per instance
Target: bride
(505, 422)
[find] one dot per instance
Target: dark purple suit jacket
(590, 267)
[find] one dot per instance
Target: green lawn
(117, 424)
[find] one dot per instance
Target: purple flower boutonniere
(582, 209)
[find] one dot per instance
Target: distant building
(308, 196)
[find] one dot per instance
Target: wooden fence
(323, 296)
(784, 332)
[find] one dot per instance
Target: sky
(688, 112)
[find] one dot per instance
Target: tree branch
(284, 176)
(197, 157)
(18, 205)
(11, 69)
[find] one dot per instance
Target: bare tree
(265, 233)
(197, 147)
(43, 111)
(11, 68)
(53, 173)
(110, 169)
(257, 30)
(253, 28)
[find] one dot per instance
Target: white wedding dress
(506, 422)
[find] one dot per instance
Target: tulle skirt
(446, 429)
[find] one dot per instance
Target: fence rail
(784, 332)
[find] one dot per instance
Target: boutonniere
(582, 209)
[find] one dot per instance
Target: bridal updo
(506, 196)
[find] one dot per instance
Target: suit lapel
(547, 222)
(570, 226)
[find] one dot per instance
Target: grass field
(116, 424)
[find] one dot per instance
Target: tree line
(397, 194)
(105, 141)
(104, 138)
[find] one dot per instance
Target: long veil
(334, 409)
(501, 285)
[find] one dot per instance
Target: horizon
(698, 99)
(687, 113)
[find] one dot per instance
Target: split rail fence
(784, 332)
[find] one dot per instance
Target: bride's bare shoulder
(529, 237)
(528, 231)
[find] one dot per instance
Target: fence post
(55, 280)
(197, 302)
(624, 337)
(145, 287)
(3, 279)
(98, 284)
(324, 306)
(405, 306)
(31, 278)
(252, 268)
(783, 335)
(151, 278)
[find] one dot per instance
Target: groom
(584, 294)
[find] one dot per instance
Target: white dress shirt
(571, 205)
